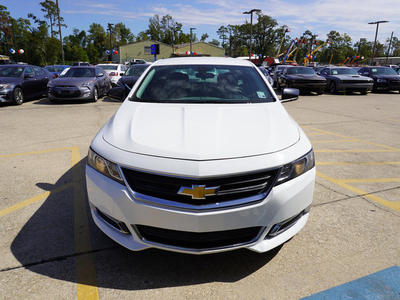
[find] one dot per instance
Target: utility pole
(376, 35)
(390, 45)
(191, 40)
(110, 29)
(250, 12)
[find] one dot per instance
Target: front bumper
(135, 224)
(70, 93)
(354, 87)
(6, 95)
(307, 86)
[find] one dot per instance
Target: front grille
(356, 81)
(229, 191)
(199, 240)
(395, 83)
(307, 81)
(70, 92)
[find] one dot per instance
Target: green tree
(122, 35)
(97, 37)
(50, 8)
(5, 30)
(166, 30)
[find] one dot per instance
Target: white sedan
(114, 71)
(201, 157)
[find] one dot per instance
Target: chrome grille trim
(233, 191)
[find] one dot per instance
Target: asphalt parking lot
(51, 249)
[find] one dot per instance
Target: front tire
(95, 95)
(332, 88)
(18, 96)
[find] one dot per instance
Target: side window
(38, 71)
(29, 71)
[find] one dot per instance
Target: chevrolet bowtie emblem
(198, 191)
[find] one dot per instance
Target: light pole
(109, 28)
(250, 12)
(376, 34)
(191, 40)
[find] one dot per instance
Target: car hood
(349, 77)
(201, 131)
(305, 76)
(72, 80)
(387, 77)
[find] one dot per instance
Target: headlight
(381, 80)
(296, 168)
(4, 86)
(104, 166)
(87, 84)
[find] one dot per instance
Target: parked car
(137, 61)
(302, 78)
(126, 82)
(397, 69)
(276, 70)
(266, 74)
(114, 71)
(345, 79)
(385, 78)
(199, 163)
(22, 82)
(79, 63)
(79, 83)
(55, 69)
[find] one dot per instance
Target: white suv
(201, 157)
(114, 71)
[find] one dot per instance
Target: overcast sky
(320, 17)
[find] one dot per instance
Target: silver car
(79, 83)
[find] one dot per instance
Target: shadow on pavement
(46, 245)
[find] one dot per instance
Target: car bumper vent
(199, 240)
(118, 225)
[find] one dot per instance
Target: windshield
(136, 70)
(203, 84)
(54, 68)
(383, 71)
(305, 70)
(11, 71)
(108, 67)
(79, 72)
(343, 71)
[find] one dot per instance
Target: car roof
(203, 61)
(110, 65)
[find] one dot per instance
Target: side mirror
(121, 74)
(100, 75)
(290, 94)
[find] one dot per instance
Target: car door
(326, 74)
(41, 79)
(101, 80)
(29, 83)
